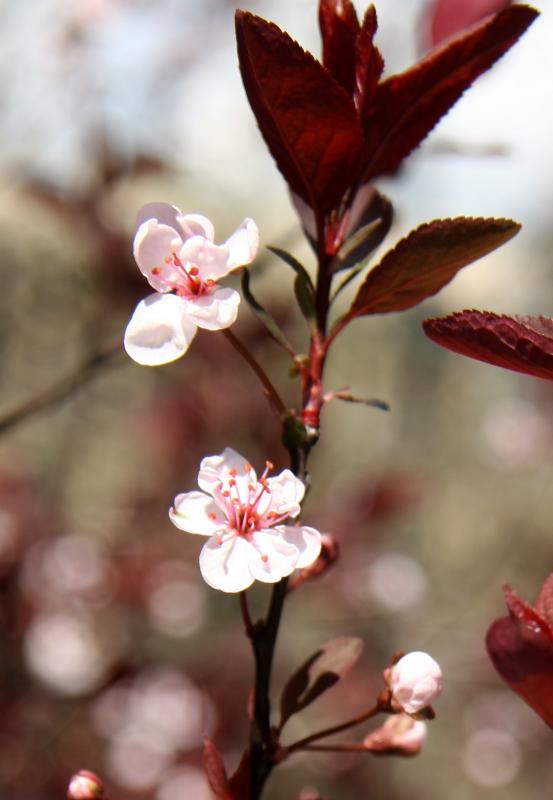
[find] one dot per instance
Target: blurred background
(110, 644)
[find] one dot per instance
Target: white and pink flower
(415, 681)
(243, 517)
(176, 254)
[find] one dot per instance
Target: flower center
(248, 504)
(187, 281)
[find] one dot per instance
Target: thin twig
(301, 743)
(61, 390)
(271, 393)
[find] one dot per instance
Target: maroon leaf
(307, 120)
(406, 107)
(319, 673)
(339, 28)
(426, 260)
(544, 602)
(522, 344)
(239, 782)
(370, 65)
(445, 18)
(521, 649)
(215, 771)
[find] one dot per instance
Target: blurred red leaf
(544, 601)
(407, 106)
(307, 120)
(444, 18)
(339, 28)
(239, 781)
(319, 673)
(522, 344)
(370, 65)
(215, 771)
(521, 649)
(426, 260)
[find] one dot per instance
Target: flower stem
(301, 743)
(270, 392)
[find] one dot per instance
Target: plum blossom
(176, 254)
(415, 681)
(243, 515)
(400, 734)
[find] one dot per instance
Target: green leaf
(269, 323)
(318, 674)
(297, 266)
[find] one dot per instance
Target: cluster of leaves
(333, 127)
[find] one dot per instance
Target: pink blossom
(400, 734)
(176, 254)
(415, 681)
(243, 515)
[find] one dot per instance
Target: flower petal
(158, 331)
(210, 259)
(243, 244)
(196, 512)
(165, 213)
(195, 225)
(270, 556)
(216, 311)
(216, 470)
(153, 243)
(306, 540)
(287, 492)
(224, 564)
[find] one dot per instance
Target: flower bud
(85, 785)
(400, 734)
(415, 681)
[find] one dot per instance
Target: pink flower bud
(415, 681)
(85, 785)
(400, 734)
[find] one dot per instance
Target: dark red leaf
(239, 782)
(544, 602)
(319, 673)
(445, 18)
(370, 66)
(523, 344)
(215, 771)
(426, 260)
(339, 28)
(307, 120)
(406, 107)
(521, 649)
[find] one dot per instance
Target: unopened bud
(400, 735)
(415, 681)
(330, 552)
(85, 785)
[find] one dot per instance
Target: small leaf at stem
(339, 28)
(544, 602)
(308, 121)
(406, 107)
(305, 297)
(296, 265)
(270, 324)
(373, 402)
(522, 344)
(215, 771)
(318, 674)
(426, 260)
